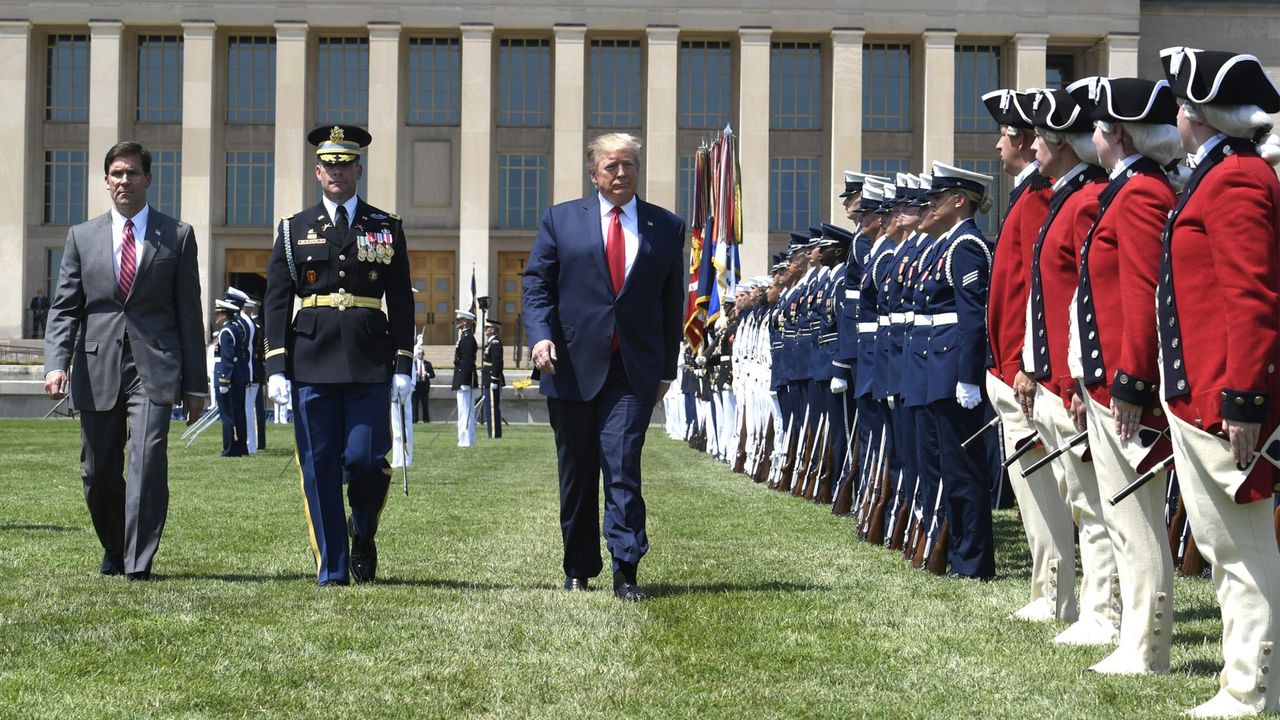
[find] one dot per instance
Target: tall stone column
(385, 113)
(476, 159)
(661, 168)
(569, 94)
(1120, 55)
(106, 52)
(938, 114)
(846, 114)
(753, 146)
(15, 123)
(1029, 50)
(291, 166)
(198, 102)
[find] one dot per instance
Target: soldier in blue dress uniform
(232, 373)
(342, 356)
(955, 299)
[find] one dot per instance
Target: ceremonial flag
(473, 290)
(695, 316)
(718, 266)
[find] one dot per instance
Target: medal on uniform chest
(362, 243)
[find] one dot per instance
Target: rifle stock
(937, 560)
(843, 503)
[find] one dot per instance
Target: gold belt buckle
(341, 300)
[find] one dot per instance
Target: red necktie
(128, 259)
(615, 252)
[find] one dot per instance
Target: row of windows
(796, 187)
(523, 97)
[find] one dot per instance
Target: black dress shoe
(364, 556)
(625, 587)
(140, 576)
(333, 583)
(111, 566)
(979, 578)
(629, 592)
(575, 584)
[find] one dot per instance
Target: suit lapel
(591, 216)
(158, 231)
(644, 230)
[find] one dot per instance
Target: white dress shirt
(630, 227)
(117, 237)
(332, 208)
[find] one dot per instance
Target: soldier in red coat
(1115, 343)
(1218, 301)
(1046, 518)
(1044, 385)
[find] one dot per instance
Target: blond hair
(610, 143)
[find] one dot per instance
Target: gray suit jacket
(88, 317)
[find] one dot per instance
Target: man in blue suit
(603, 297)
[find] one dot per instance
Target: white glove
(223, 389)
(839, 385)
(402, 387)
(893, 402)
(464, 388)
(968, 395)
(700, 361)
(278, 389)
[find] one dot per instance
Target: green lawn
(764, 606)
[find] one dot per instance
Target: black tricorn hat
(1213, 77)
(1132, 100)
(1006, 108)
(1057, 110)
(339, 143)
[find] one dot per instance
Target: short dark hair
(125, 149)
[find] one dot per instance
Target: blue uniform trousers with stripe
(343, 433)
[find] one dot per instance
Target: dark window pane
(435, 66)
(251, 80)
(523, 189)
(793, 202)
(886, 87)
(977, 73)
(249, 187)
(524, 83)
(705, 84)
(614, 91)
(795, 86)
(67, 79)
(66, 174)
(342, 81)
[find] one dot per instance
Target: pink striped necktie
(128, 259)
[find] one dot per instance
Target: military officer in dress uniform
(1115, 335)
(232, 373)
(1218, 301)
(492, 378)
(955, 300)
(464, 376)
(342, 356)
(1046, 518)
(1045, 389)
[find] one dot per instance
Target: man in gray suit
(125, 325)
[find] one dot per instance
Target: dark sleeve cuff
(1132, 389)
(276, 364)
(1250, 407)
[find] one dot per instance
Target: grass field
(763, 606)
